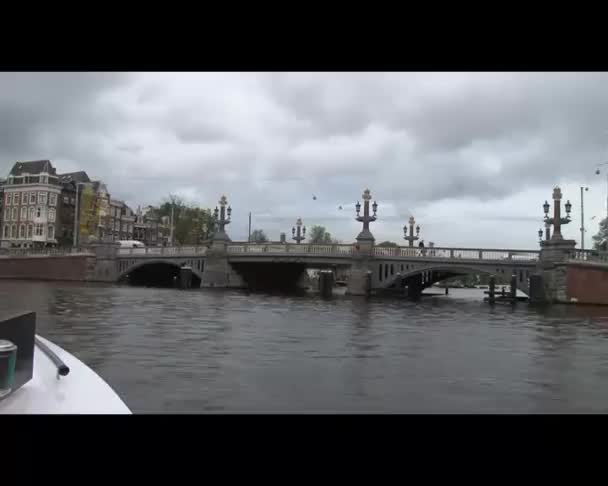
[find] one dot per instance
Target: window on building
(38, 211)
(7, 214)
(14, 231)
(52, 199)
(31, 211)
(23, 213)
(22, 231)
(51, 232)
(16, 199)
(66, 200)
(39, 229)
(9, 199)
(44, 179)
(30, 230)
(14, 214)
(32, 198)
(7, 230)
(42, 198)
(51, 215)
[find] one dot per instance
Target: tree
(320, 236)
(192, 225)
(388, 244)
(89, 214)
(601, 236)
(258, 236)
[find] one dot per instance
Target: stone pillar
(326, 283)
(359, 278)
(185, 277)
(492, 289)
(552, 269)
(216, 269)
(104, 266)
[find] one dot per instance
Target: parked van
(131, 244)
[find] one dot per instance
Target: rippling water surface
(166, 350)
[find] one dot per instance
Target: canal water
(201, 351)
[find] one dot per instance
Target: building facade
(70, 182)
(150, 228)
(40, 208)
(30, 206)
(121, 222)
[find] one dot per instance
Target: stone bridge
(556, 273)
(387, 267)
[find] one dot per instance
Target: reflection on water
(166, 350)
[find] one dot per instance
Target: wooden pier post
(492, 291)
(513, 287)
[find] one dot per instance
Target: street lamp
(411, 238)
(366, 219)
(583, 218)
(299, 234)
(556, 220)
(222, 218)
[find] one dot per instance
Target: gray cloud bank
(272, 140)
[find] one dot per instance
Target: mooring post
(326, 283)
(446, 290)
(492, 293)
(513, 287)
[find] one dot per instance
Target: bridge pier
(360, 278)
(414, 287)
(551, 279)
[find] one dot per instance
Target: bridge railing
(291, 249)
(459, 253)
(592, 256)
(10, 252)
(163, 251)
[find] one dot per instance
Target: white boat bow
(82, 391)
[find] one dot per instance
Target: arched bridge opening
(157, 274)
(275, 276)
(416, 280)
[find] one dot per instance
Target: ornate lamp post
(557, 220)
(411, 238)
(222, 218)
(366, 219)
(300, 233)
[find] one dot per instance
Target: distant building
(30, 205)
(149, 228)
(121, 221)
(69, 182)
(91, 199)
(2, 183)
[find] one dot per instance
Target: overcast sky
(471, 155)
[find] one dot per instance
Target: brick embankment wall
(68, 268)
(587, 283)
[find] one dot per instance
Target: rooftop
(80, 176)
(33, 167)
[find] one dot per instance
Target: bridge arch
(436, 273)
(171, 267)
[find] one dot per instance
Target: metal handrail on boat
(62, 368)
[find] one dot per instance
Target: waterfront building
(149, 228)
(30, 206)
(91, 201)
